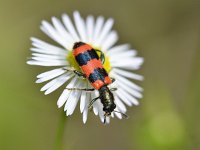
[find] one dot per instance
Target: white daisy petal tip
(76, 12)
(46, 92)
(38, 81)
(32, 39)
(59, 106)
(28, 62)
(137, 103)
(98, 34)
(84, 121)
(42, 89)
(140, 78)
(44, 23)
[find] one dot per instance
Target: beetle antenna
(124, 115)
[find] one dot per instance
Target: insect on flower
(92, 68)
(88, 62)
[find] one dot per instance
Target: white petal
(126, 96)
(95, 109)
(42, 63)
(107, 120)
(90, 28)
(97, 29)
(128, 74)
(63, 32)
(85, 113)
(70, 27)
(80, 26)
(59, 82)
(44, 74)
(49, 60)
(55, 57)
(102, 118)
(112, 115)
(118, 114)
(48, 85)
(130, 90)
(110, 40)
(50, 75)
(53, 83)
(95, 105)
(100, 110)
(82, 101)
(133, 63)
(123, 98)
(120, 105)
(83, 98)
(73, 100)
(52, 33)
(64, 96)
(118, 48)
(62, 99)
(44, 47)
(105, 31)
(123, 55)
(121, 80)
(48, 51)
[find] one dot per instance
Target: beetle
(92, 68)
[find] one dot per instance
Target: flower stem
(60, 132)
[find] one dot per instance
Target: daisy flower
(120, 62)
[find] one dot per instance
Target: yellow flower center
(71, 59)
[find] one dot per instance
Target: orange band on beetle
(81, 49)
(90, 66)
(107, 80)
(98, 84)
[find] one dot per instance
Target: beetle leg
(113, 89)
(113, 80)
(78, 73)
(84, 89)
(91, 102)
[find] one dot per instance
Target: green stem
(60, 132)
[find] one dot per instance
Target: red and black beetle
(92, 69)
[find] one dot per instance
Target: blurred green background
(165, 32)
